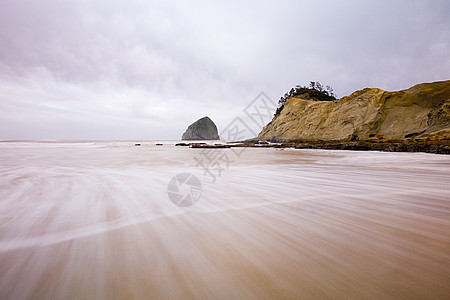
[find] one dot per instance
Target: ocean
(116, 220)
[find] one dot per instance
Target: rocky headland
(415, 119)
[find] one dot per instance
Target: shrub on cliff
(315, 91)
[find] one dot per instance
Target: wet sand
(94, 221)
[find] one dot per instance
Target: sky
(142, 69)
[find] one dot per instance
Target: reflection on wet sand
(94, 221)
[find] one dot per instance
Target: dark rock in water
(200, 145)
(202, 129)
(137, 144)
(190, 144)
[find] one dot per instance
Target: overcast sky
(139, 69)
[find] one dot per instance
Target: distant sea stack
(418, 113)
(202, 129)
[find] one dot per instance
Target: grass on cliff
(315, 91)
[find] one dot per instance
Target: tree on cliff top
(314, 91)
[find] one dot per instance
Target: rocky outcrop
(418, 113)
(202, 129)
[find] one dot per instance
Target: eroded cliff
(420, 112)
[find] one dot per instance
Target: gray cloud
(146, 69)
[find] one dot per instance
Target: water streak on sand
(93, 220)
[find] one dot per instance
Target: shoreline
(427, 146)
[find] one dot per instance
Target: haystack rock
(202, 129)
(420, 112)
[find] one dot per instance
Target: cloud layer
(146, 69)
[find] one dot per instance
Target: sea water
(98, 220)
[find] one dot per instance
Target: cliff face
(420, 112)
(202, 129)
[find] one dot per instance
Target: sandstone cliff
(420, 112)
(202, 129)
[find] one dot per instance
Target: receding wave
(93, 219)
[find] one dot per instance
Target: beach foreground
(93, 220)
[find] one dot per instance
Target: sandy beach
(93, 220)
